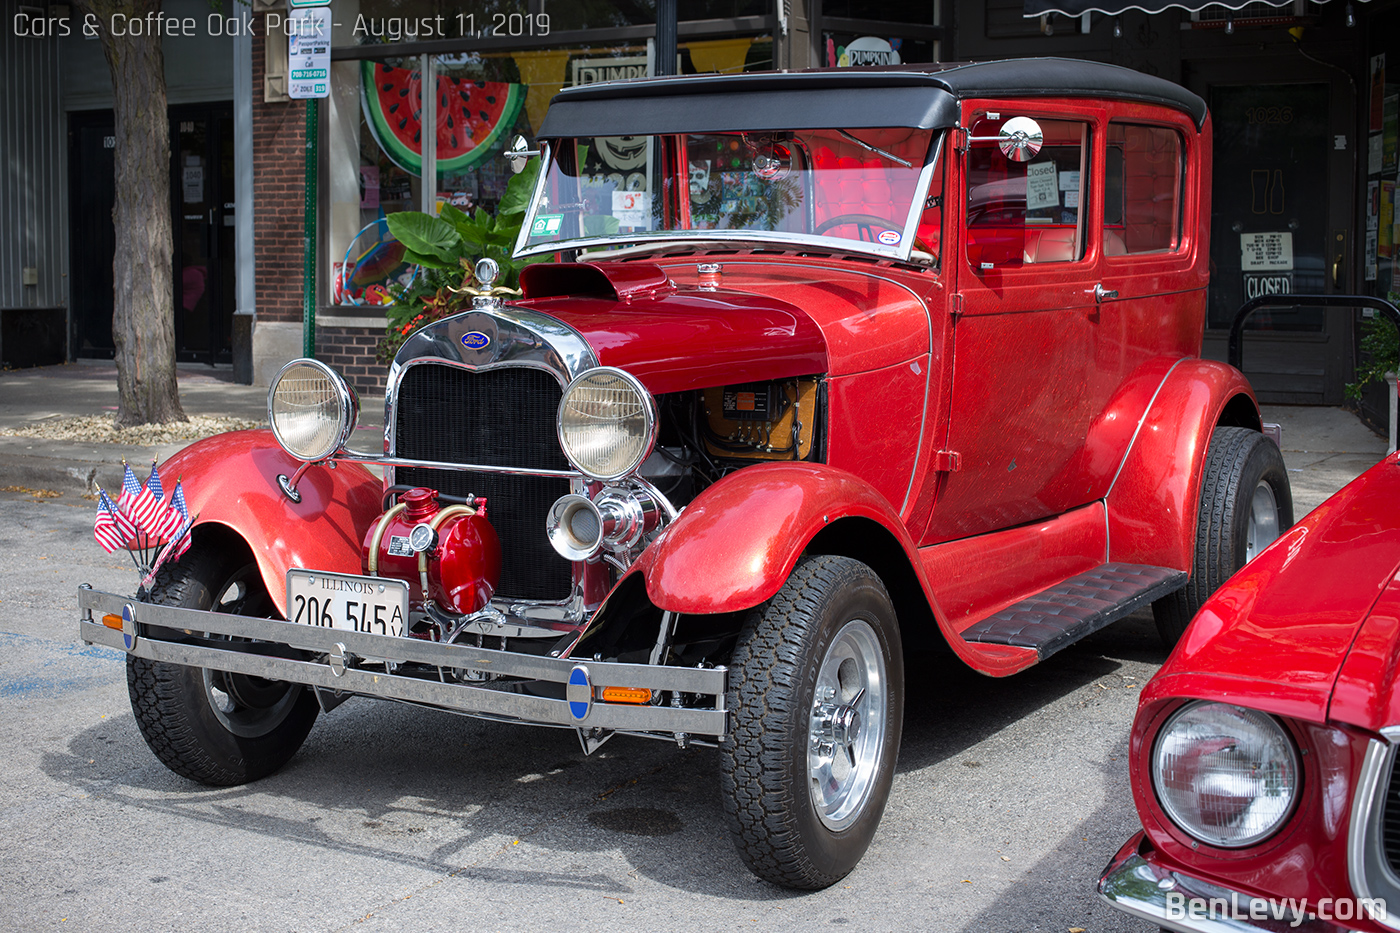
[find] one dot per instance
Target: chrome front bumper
(1136, 884)
(336, 654)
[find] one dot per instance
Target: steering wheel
(863, 221)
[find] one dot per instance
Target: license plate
(375, 605)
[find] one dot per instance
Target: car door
(1024, 386)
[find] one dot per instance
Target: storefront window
(480, 100)
(375, 148)
(849, 50)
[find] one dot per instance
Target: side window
(1026, 212)
(1143, 191)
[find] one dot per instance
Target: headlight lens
(607, 423)
(311, 409)
(1225, 774)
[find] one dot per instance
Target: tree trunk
(143, 315)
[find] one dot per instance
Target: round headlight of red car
(1226, 775)
(607, 423)
(311, 409)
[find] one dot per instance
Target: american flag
(138, 502)
(112, 529)
(153, 483)
(176, 514)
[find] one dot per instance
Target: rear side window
(1026, 212)
(1143, 189)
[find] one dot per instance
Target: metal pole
(308, 226)
(665, 37)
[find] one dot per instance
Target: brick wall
(351, 350)
(279, 154)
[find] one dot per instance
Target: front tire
(816, 695)
(1246, 503)
(209, 726)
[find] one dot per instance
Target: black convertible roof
(920, 96)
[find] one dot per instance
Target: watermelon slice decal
(471, 115)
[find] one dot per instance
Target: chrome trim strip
(822, 244)
(545, 157)
(1139, 888)
(1142, 419)
(356, 456)
(460, 698)
(1364, 842)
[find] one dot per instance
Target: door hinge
(947, 461)
(957, 307)
(958, 136)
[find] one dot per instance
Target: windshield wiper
(865, 145)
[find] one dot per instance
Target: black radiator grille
(501, 417)
(1390, 825)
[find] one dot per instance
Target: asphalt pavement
(1009, 794)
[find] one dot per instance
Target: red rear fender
(1152, 502)
(231, 479)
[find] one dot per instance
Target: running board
(1066, 612)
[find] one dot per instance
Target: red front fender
(735, 545)
(231, 479)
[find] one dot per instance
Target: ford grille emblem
(475, 340)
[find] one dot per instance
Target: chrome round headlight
(1226, 775)
(311, 409)
(607, 423)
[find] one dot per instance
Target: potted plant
(446, 247)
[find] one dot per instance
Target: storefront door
(201, 207)
(1280, 224)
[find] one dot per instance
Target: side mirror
(519, 151)
(1019, 140)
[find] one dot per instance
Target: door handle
(1100, 293)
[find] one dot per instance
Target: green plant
(446, 248)
(1380, 347)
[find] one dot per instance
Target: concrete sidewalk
(89, 387)
(1324, 448)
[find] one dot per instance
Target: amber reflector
(112, 621)
(626, 695)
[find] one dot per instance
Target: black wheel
(816, 695)
(209, 726)
(1246, 504)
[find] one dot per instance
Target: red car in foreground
(1263, 753)
(836, 363)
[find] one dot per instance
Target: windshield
(857, 190)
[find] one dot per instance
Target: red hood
(1280, 633)
(676, 339)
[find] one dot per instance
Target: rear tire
(816, 694)
(1246, 503)
(209, 726)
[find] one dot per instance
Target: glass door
(202, 202)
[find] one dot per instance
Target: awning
(1032, 8)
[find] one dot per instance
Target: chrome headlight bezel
(340, 403)
(645, 409)
(1266, 751)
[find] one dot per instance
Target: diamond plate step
(1066, 612)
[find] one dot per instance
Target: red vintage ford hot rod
(1263, 753)
(835, 364)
